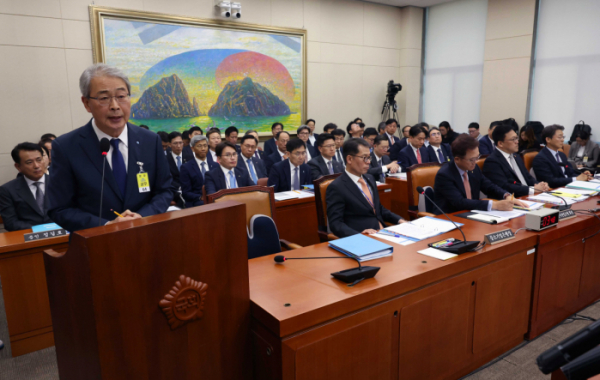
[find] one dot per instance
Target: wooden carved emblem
(185, 302)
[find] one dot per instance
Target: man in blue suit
(77, 162)
(414, 153)
(324, 164)
(380, 163)
(258, 152)
(457, 184)
(227, 175)
(248, 162)
(193, 172)
(280, 152)
(292, 173)
(552, 166)
(270, 144)
(486, 144)
(438, 151)
(176, 158)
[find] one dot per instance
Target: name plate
(45, 234)
(566, 214)
(498, 237)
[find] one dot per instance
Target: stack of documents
(547, 198)
(398, 175)
(530, 206)
(591, 185)
(496, 215)
(570, 195)
(418, 229)
(361, 247)
(294, 194)
(437, 253)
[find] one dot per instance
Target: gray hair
(303, 127)
(100, 70)
(197, 138)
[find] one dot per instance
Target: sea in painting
(191, 75)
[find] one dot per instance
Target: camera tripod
(389, 110)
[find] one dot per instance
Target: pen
(119, 215)
(512, 197)
(389, 233)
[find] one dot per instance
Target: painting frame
(99, 14)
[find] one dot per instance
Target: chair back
(263, 238)
(262, 181)
(320, 187)
(528, 155)
(481, 161)
(566, 148)
(419, 175)
(258, 200)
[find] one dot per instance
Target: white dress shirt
(281, 153)
(507, 157)
(414, 151)
(246, 162)
(227, 177)
(391, 139)
(33, 187)
(175, 157)
(436, 150)
(213, 154)
(122, 144)
(384, 168)
(553, 152)
(312, 139)
(355, 180)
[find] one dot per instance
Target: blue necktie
(203, 170)
(441, 156)
(252, 172)
(232, 183)
(179, 163)
(118, 166)
(296, 180)
(330, 166)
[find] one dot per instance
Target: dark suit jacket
(497, 170)
(407, 157)
(374, 168)
(76, 176)
(335, 155)
(396, 139)
(546, 169)
(270, 147)
(209, 158)
(446, 152)
(261, 154)
(192, 182)
(187, 153)
(318, 168)
(450, 193)
(396, 148)
(271, 160)
(314, 152)
(18, 207)
(314, 146)
(486, 146)
(215, 179)
(281, 176)
(450, 137)
(349, 212)
(259, 167)
(173, 168)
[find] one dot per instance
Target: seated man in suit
(193, 172)
(164, 139)
(369, 136)
(187, 150)
(438, 151)
(270, 144)
(353, 205)
(486, 144)
(380, 162)
(354, 130)
(339, 135)
(292, 173)
(248, 162)
(303, 133)
(23, 200)
(227, 175)
(258, 152)
(324, 164)
(414, 153)
(391, 126)
(280, 152)
(176, 160)
(474, 131)
(552, 166)
(506, 169)
(457, 184)
(214, 138)
(231, 135)
(402, 143)
(77, 162)
(329, 128)
(312, 138)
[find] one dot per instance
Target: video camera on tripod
(389, 105)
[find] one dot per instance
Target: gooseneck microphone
(353, 275)
(104, 148)
(566, 206)
(457, 247)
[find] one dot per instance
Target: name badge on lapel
(142, 179)
(585, 158)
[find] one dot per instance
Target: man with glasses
(77, 162)
(303, 134)
(291, 173)
(339, 135)
(271, 144)
(214, 138)
(280, 152)
(438, 151)
(414, 153)
(325, 164)
(457, 184)
(353, 205)
(258, 152)
(381, 164)
(248, 162)
(505, 168)
(194, 171)
(176, 160)
(227, 175)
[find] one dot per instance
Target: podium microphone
(353, 275)
(104, 148)
(458, 246)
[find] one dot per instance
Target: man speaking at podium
(137, 180)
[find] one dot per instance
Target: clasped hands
(126, 215)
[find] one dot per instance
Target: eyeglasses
(105, 100)
(515, 139)
(230, 155)
(366, 159)
(472, 160)
(299, 154)
(328, 146)
(177, 143)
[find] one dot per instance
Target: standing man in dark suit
(303, 133)
(312, 138)
(248, 162)
(193, 172)
(380, 162)
(339, 135)
(187, 150)
(23, 200)
(414, 153)
(134, 154)
(227, 175)
(176, 159)
(280, 152)
(486, 144)
(231, 135)
(400, 144)
(214, 138)
(391, 126)
(324, 164)
(457, 184)
(505, 168)
(258, 152)
(292, 173)
(270, 144)
(552, 166)
(438, 151)
(353, 205)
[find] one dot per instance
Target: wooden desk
(400, 196)
(420, 318)
(25, 291)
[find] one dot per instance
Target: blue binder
(362, 247)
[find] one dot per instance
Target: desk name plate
(498, 237)
(566, 214)
(45, 234)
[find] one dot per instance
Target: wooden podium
(164, 297)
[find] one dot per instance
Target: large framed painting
(210, 73)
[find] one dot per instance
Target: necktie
(419, 156)
(330, 166)
(391, 140)
(252, 172)
(367, 193)
(118, 166)
(440, 155)
(232, 183)
(256, 154)
(179, 163)
(559, 160)
(340, 158)
(203, 169)
(381, 176)
(39, 196)
(296, 180)
(515, 167)
(467, 185)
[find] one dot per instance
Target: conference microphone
(570, 348)
(348, 275)
(566, 206)
(104, 148)
(457, 246)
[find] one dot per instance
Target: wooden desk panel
(400, 196)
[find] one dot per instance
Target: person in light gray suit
(584, 152)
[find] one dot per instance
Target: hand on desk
(393, 167)
(369, 231)
(585, 176)
(542, 186)
(507, 204)
(126, 216)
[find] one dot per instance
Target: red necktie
(419, 157)
(467, 185)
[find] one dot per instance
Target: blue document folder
(361, 247)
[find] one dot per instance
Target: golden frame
(98, 14)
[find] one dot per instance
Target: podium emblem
(185, 302)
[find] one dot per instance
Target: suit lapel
(353, 188)
(25, 193)
(458, 180)
(222, 179)
(134, 155)
(323, 166)
(288, 174)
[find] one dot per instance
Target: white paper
(398, 175)
(547, 198)
(436, 253)
(584, 185)
(501, 214)
(576, 191)
(423, 228)
(285, 195)
(398, 240)
(533, 205)
(304, 193)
